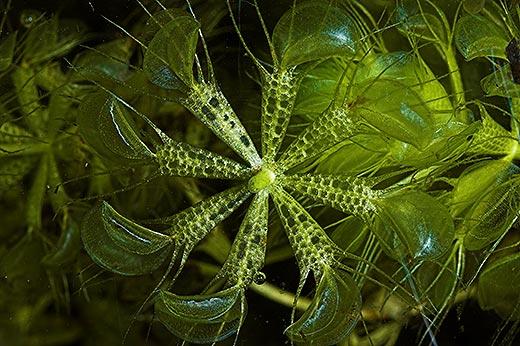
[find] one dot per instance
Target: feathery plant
(394, 181)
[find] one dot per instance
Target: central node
(261, 180)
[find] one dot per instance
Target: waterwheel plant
(368, 159)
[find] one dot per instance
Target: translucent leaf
(489, 175)
(498, 287)
(449, 141)
(110, 59)
(473, 6)
(119, 245)
(350, 234)
(311, 31)
(500, 83)
(171, 53)
(413, 21)
(412, 71)
(328, 129)
(333, 313)
(202, 318)
(414, 223)
(345, 193)
(7, 51)
(129, 235)
(425, 26)
(278, 96)
(183, 160)
(312, 247)
(247, 254)
(107, 127)
(477, 36)
(319, 85)
(396, 110)
(437, 281)
(211, 107)
(52, 38)
(492, 215)
(355, 157)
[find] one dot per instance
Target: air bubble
(259, 278)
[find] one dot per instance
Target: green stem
(456, 84)
(280, 296)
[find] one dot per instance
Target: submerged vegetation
(353, 163)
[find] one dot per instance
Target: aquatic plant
(368, 168)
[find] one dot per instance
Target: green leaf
(171, 53)
(278, 96)
(409, 69)
(191, 225)
(491, 138)
(202, 318)
(361, 154)
(437, 281)
(211, 107)
(350, 234)
(500, 83)
(415, 224)
(498, 287)
(52, 38)
(129, 235)
(488, 174)
(119, 245)
(109, 59)
(414, 21)
(333, 313)
(396, 110)
(247, 254)
(348, 194)
(330, 128)
(473, 6)
(311, 31)
(106, 125)
(181, 159)
(477, 36)
(492, 215)
(7, 51)
(311, 245)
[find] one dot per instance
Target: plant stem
(280, 296)
(456, 84)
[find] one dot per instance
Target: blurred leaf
(473, 6)
(7, 51)
(498, 287)
(67, 249)
(437, 281)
